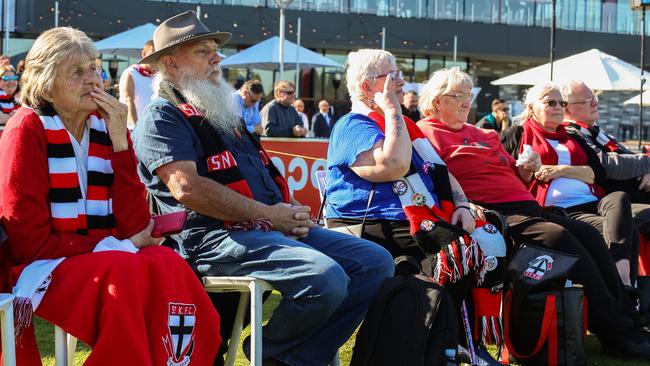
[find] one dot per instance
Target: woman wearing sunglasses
(8, 87)
(572, 177)
(491, 178)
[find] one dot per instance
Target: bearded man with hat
(195, 154)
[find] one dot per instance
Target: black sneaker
(626, 346)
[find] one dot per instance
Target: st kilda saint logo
(538, 267)
(179, 341)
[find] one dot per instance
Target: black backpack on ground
(410, 322)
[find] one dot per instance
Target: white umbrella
(635, 100)
(265, 55)
(128, 43)
(596, 68)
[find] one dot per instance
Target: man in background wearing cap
(195, 154)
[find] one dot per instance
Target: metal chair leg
(256, 324)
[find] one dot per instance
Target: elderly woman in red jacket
(80, 253)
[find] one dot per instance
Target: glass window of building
(421, 69)
(461, 63)
(405, 64)
(485, 11)
(435, 63)
(518, 12)
(332, 85)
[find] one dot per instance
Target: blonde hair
(441, 82)
(280, 84)
(363, 65)
(534, 94)
(5, 69)
(50, 50)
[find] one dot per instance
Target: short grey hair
(441, 82)
(362, 65)
(534, 94)
(50, 51)
(569, 87)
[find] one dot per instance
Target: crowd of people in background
(78, 164)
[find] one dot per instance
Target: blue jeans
(327, 281)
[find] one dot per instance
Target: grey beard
(215, 101)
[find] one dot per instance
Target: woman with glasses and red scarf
(572, 177)
(8, 87)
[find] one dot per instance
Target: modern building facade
(494, 38)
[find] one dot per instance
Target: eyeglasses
(553, 103)
(287, 92)
(393, 74)
(590, 101)
(9, 78)
(460, 96)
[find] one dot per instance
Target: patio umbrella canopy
(635, 100)
(597, 69)
(128, 43)
(265, 55)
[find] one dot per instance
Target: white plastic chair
(253, 289)
(7, 326)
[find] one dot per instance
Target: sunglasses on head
(553, 103)
(9, 77)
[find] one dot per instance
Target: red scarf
(536, 137)
(145, 71)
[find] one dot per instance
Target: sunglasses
(9, 78)
(287, 92)
(553, 103)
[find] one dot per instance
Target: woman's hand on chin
(114, 114)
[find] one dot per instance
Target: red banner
(298, 159)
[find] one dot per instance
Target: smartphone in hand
(168, 224)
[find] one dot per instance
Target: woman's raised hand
(114, 113)
(387, 100)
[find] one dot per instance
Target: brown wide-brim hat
(178, 30)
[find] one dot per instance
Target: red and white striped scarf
(535, 136)
(418, 203)
(7, 102)
(607, 141)
(71, 212)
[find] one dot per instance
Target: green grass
(45, 339)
